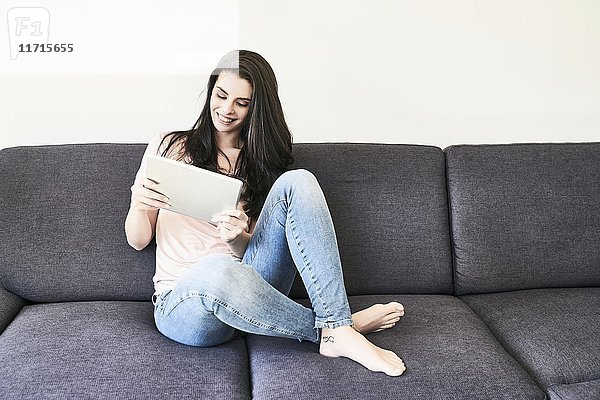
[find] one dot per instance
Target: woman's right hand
(145, 195)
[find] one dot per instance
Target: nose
(227, 107)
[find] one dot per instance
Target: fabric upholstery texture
(62, 229)
(10, 305)
(396, 195)
(441, 364)
(554, 333)
(576, 391)
(93, 350)
(390, 215)
(525, 216)
(76, 321)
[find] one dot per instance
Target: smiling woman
(228, 110)
(215, 279)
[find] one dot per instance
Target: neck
(228, 140)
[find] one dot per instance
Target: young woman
(233, 274)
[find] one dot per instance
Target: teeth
(225, 119)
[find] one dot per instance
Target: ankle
(332, 332)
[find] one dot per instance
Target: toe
(393, 319)
(397, 368)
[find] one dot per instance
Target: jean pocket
(161, 300)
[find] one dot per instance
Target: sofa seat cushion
(551, 332)
(111, 350)
(448, 351)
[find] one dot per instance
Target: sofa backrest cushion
(62, 231)
(389, 208)
(62, 234)
(525, 216)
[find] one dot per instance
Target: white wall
(422, 71)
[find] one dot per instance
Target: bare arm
(140, 224)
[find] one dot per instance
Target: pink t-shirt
(181, 241)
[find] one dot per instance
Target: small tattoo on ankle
(328, 339)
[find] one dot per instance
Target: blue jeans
(223, 295)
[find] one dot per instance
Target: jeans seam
(306, 263)
(236, 312)
(333, 325)
(260, 236)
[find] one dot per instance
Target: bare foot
(345, 341)
(377, 317)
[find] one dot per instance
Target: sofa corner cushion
(553, 333)
(449, 354)
(112, 349)
(389, 207)
(524, 216)
(62, 226)
(10, 305)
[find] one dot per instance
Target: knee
(298, 178)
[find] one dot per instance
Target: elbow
(139, 245)
(138, 235)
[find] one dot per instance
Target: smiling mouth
(224, 119)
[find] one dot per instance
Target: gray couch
(494, 250)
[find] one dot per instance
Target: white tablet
(193, 191)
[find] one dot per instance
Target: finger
(153, 188)
(239, 214)
(147, 183)
(233, 229)
(150, 198)
(152, 194)
(155, 204)
(235, 224)
(229, 220)
(219, 218)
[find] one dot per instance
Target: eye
(242, 104)
(221, 97)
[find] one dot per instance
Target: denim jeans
(222, 296)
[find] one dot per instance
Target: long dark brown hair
(266, 141)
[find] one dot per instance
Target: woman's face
(229, 103)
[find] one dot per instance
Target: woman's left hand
(231, 224)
